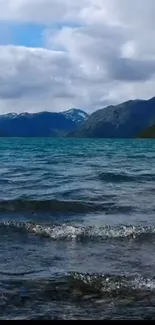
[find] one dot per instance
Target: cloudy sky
(58, 54)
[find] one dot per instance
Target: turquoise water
(77, 229)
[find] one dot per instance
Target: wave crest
(79, 233)
(113, 177)
(83, 286)
(62, 206)
(111, 283)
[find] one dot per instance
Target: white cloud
(41, 11)
(107, 57)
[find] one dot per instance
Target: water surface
(77, 229)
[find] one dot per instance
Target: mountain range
(126, 120)
(133, 118)
(43, 124)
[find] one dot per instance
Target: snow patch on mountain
(76, 115)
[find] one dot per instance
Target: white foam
(71, 232)
(114, 283)
(74, 232)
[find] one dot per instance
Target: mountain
(125, 120)
(76, 115)
(43, 124)
(147, 133)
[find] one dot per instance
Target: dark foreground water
(77, 229)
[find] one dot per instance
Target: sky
(59, 54)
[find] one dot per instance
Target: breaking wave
(69, 232)
(111, 283)
(81, 286)
(78, 296)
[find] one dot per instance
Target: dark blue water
(77, 229)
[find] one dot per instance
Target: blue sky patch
(26, 34)
(29, 35)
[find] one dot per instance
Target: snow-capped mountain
(42, 124)
(76, 115)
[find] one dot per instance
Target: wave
(78, 296)
(83, 286)
(78, 233)
(111, 283)
(124, 177)
(11, 274)
(61, 206)
(47, 205)
(141, 156)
